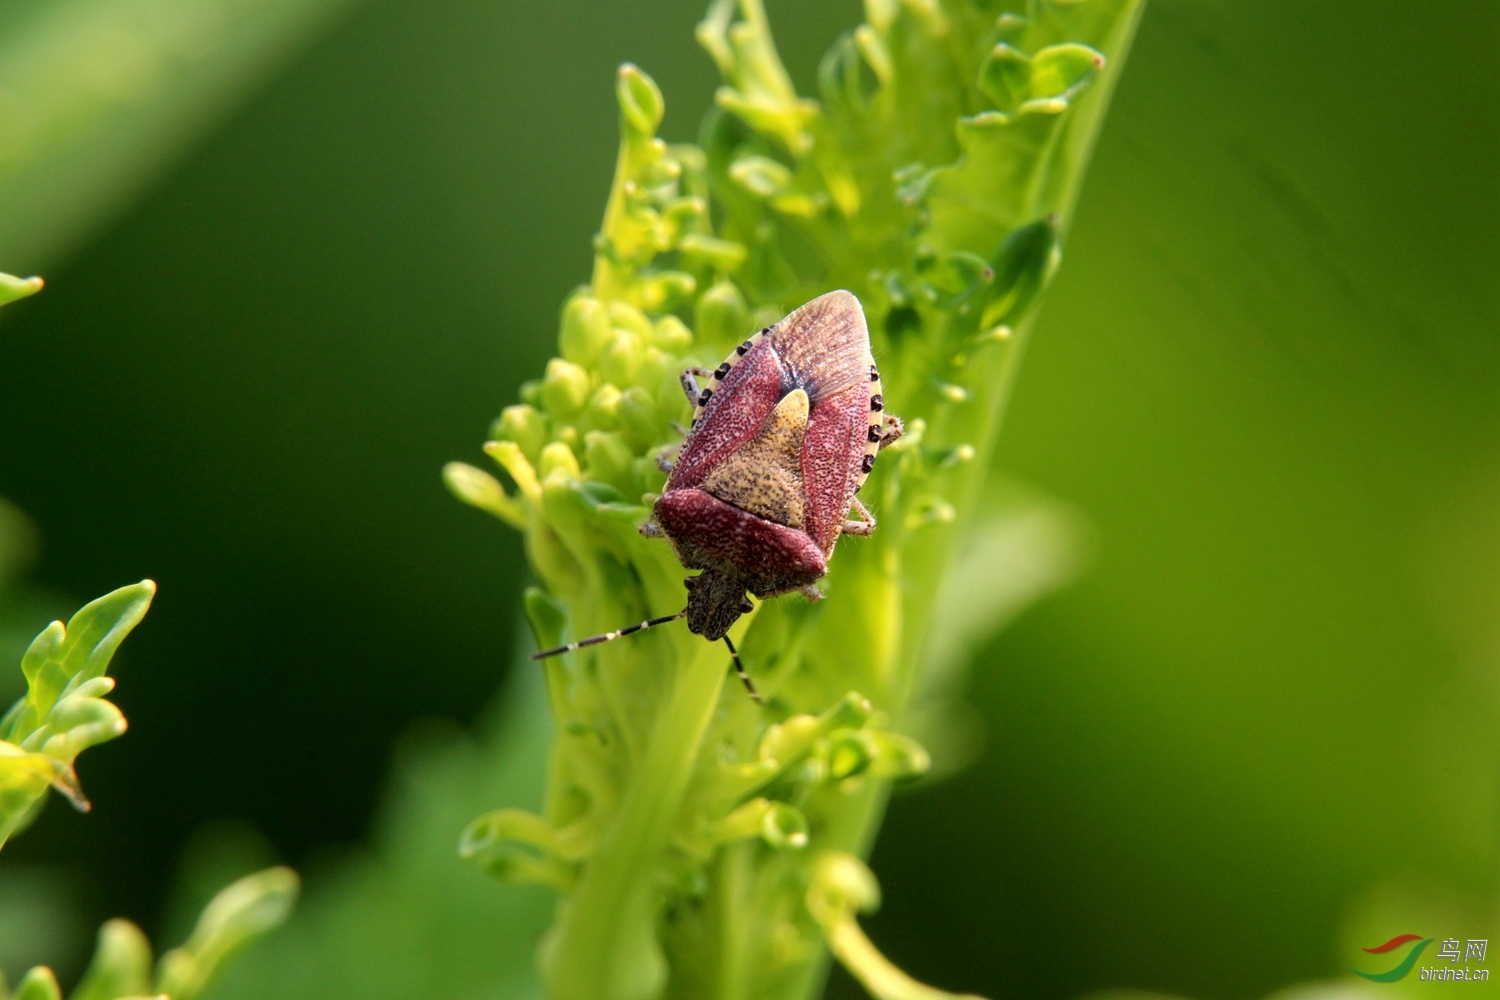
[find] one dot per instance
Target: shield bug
(784, 433)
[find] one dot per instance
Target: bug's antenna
(739, 668)
(595, 640)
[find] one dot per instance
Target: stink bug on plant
(784, 433)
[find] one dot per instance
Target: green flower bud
(478, 488)
(641, 104)
(523, 425)
(625, 316)
(610, 460)
(684, 215)
(640, 417)
(850, 752)
(761, 176)
(721, 316)
(516, 846)
(710, 251)
(664, 291)
(841, 883)
(661, 175)
(568, 435)
(508, 455)
(649, 475)
(659, 374)
(953, 393)
(559, 457)
(773, 183)
(746, 821)
(672, 335)
(784, 827)
(585, 330)
(899, 757)
(622, 359)
(929, 510)
(603, 410)
(565, 388)
(789, 742)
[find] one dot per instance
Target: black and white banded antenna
(594, 640)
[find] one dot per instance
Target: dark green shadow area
(1268, 374)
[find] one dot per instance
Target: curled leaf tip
(13, 288)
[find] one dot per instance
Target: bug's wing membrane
(831, 454)
(732, 416)
(826, 344)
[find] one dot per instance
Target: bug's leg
(890, 429)
(664, 463)
(651, 529)
(865, 527)
(739, 668)
(812, 593)
(689, 379)
(595, 640)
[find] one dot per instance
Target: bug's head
(715, 602)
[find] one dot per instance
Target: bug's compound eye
(690, 582)
(745, 606)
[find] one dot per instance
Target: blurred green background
(1268, 378)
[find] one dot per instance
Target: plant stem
(605, 947)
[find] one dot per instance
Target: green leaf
(240, 914)
(38, 984)
(121, 966)
(13, 288)
(64, 711)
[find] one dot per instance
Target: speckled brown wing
(732, 415)
(832, 452)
